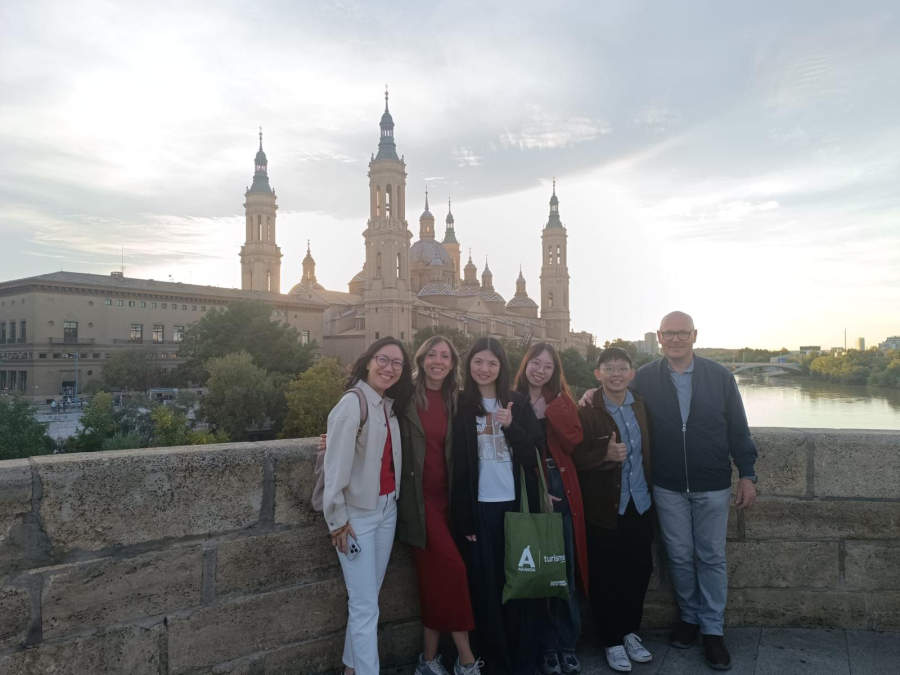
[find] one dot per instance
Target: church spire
(554, 221)
(386, 147)
(261, 170)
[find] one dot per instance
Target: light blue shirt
(682, 382)
(634, 483)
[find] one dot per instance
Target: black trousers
(505, 635)
(620, 562)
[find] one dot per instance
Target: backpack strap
(363, 408)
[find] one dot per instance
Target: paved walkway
(766, 651)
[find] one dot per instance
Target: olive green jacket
(411, 502)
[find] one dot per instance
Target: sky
(738, 161)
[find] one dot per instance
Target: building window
(131, 303)
(2, 379)
(202, 308)
(143, 304)
(184, 308)
(558, 255)
(11, 336)
(387, 201)
(57, 355)
(137, 333)
(120, 303)
(109, 302)
(70, 332)
(304, 337)
(177, 333)
(269, 282)
(95, 355)
(158, 334)
(22, 331)
(152, 305)
(193, 308)
(42, 355)
(2, 332)
(11, 384)
(164, 305)
(23, 380)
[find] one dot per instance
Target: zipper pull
(683, 427)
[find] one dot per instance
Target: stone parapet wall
(208, 559)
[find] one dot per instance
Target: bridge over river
(773, 368)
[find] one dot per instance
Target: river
(787, 401)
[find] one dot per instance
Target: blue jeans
(562, 622)
(693, 526)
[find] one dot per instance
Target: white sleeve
(340, 450)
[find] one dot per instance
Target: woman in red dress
(423, 508)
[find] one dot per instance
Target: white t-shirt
(495, 472)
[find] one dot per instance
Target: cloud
(544, 131)
(466, 157)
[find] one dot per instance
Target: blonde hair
(450, 385)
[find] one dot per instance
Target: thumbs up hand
(504, 415)
(616, 452)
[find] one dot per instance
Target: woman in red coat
(541, 378)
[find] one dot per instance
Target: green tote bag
(535, 561)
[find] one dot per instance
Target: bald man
(697, 427)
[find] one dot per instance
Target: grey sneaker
(433, 667)
(471, 669)
(570, 663)
(550, 664)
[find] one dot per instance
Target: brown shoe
(684, 635)
(716, 653)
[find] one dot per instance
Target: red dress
(443, 584)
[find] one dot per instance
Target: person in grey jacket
(697, 426)
(363, 467)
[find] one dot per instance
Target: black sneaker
(684, 635)
(716, 653)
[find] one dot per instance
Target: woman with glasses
(495, 434)
(423, 508)
(542, 380)
(363, 466)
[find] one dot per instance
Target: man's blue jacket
(694, 457)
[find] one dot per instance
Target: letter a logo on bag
(526, 562)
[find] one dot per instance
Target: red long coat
(563, 434)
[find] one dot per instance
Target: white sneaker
(433, 667)
(636, 651)
(471, 669)
(618, 659)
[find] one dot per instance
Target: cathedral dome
(428, 252)
(521, 303)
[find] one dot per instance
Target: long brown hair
(556, 384)
(450, 385)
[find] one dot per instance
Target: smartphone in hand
(353, 548)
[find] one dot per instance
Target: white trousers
(363, 576)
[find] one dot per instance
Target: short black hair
(614, 354)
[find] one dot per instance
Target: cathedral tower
(451, 245)
(260, 255)
(555, 274)
(386, 295)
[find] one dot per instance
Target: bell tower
(555, 274)
(386, 296)
(260, 255)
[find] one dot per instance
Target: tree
(172, 427)
(238, 395)
(243, 326)
(98, 423)
(21, 435)
(311, 397)
(579, 373)
(132, 370)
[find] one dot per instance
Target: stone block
(399, 599)
(131, 649)
(775, 518)
(793, 607)
(15, 503)
(107, 591)
(232, 629)
(782, 461)
(783, 564)
(15, 615)
(883, 609)
(101, 500)
(276, 559)
(856, 463)
(872, 566)
(734, 523)
(320, 655)
(660, 610)
(295, 462)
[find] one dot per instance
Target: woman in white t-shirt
(495, 433)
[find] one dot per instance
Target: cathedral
(403, 286)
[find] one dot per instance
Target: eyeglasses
(615, 370)
(676, 334)
(534, 364)
(384, 361)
